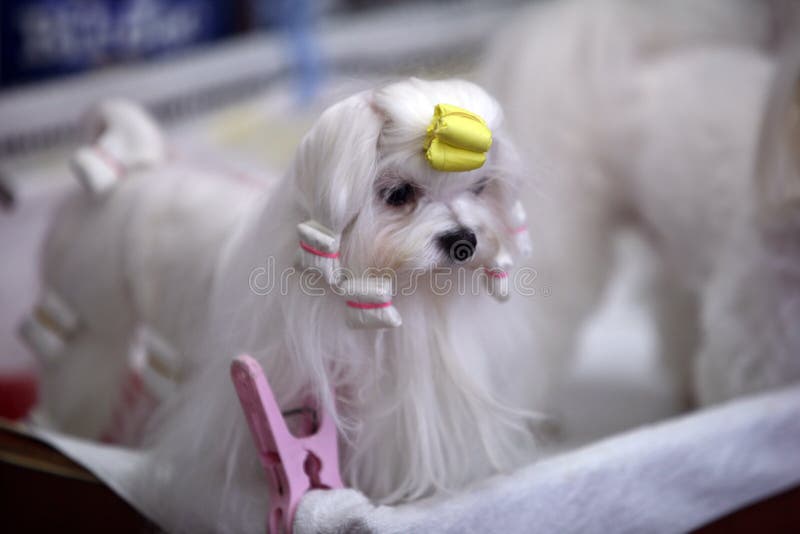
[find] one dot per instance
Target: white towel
(668, 477)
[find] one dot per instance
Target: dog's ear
(333, 175)
(337, 161)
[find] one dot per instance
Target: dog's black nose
(459, 244)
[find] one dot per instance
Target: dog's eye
(478, 188)
(399, 195)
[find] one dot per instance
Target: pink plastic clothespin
(293, 465)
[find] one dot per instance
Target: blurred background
(185, 57)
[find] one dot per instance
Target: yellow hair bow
(457, 139)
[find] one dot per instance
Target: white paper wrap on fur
(152, 376)
(156, 361)
(642, 481)
(496, 279)
(153, 369)
(319, 250)
(126, 138)
(522, 236)
(369, 303)
(51, 323)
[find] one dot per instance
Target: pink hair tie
(110, 160)
(497, 275)
(519, 227)
(319, 250)
(312, 250)
(368, 305)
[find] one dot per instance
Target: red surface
(18, 393)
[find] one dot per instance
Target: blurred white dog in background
(667, 117)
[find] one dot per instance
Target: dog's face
(366, 176)
(421, 219)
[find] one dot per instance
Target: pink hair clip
(293, 465)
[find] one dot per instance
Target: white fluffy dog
(649, 114)
(204, 268)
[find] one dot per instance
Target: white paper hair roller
(44, 343)
(58, 311)
(369, 303)
(127, 138)
(52, 322)
(157, 363)
(152, 370)
(519, 225)
(497, 283)
(319, 250)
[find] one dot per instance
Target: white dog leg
(572, 263)
(78, 389)
(750, 326)
(751, 307)
(676, 316)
